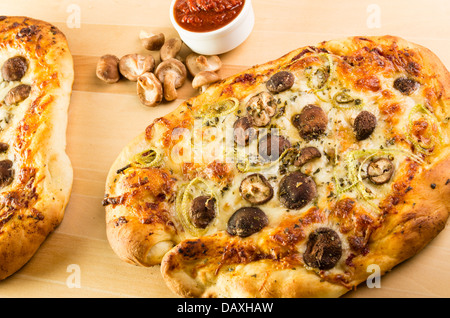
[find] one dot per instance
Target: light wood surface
(104, 118)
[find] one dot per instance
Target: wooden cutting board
(104, 118)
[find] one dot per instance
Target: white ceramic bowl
(221, 40)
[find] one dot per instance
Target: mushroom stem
(170, 93)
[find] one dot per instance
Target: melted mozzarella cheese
(216, 143)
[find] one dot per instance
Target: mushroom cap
(172, 66)
(197, 63)
(108, 68)
(14, 68)
(149, 89)
(170, 48)
(131, 66)
(17, 94)
(152, 41)
(172, 73)
(204, 78)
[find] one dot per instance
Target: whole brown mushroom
(131, 66)
(108, 69)
(149, 89)
(170, 49)
(203, 79)
(172, 74)
(152, 41)
(197, 63)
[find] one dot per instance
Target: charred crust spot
(5, 217)
(36, 215)
(113, 200)
(245, 79)
(121, 220)
(356, 243)
(310, 49)
(413, 68)
(121, 170)
(27, 32)
(371, 83)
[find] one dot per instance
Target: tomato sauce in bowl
(206, 15)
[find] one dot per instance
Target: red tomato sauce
(206, 15)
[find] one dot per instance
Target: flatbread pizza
(293, 177)
(35, 172)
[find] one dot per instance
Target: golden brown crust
(270, 263)
(33, 205)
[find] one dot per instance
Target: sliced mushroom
(271, 147)
(380, 171)
(3, 147)
(323, 249)
(131, 66)
(261, 108)
(281, 81)
(170, 49)
(172, 73)
(202, 211)
(256, 189)
(405, 85)
(311, 122)
(17, 94)
(243, 131)
(364, 125)
(108, 69)
(151, 41)
(14, 68)
(197, 63)
(296, 190)
(149, 89)
(203, 79)
(6, 173)
(306, 155)
(247, 221)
